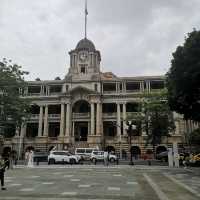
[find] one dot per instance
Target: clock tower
(84, 60)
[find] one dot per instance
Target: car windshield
(69, 154)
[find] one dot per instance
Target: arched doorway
(6, 151)
(135, 151)
(124, 154)
(160, 149)
(81, 106)
(110, 149)
(81, 117)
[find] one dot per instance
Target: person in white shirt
(105, 155)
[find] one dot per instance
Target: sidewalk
(134, 167)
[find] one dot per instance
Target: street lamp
(130, 131)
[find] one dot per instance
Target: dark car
(40, 157)
(162, 156)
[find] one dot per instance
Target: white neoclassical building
(88, 108)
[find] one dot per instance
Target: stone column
(124, 118)
(118, 120)
(124, 87)
(98, 119)
(68, 120)
(23, 130)
(149, 86)
(64, 88)
(101, 119)
(17, 131)
(73, 126)
(141, 86)
(46, 125)
(92, 132)
(117, 87)
(40, 122)
(62, 120)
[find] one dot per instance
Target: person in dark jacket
(2, 171)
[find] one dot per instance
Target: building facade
(88, 108)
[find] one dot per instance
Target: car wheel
(112, 160)
(94, 160)
(51, 161)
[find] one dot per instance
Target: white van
(85, 153)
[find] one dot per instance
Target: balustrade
(81, 115)
(53, 116)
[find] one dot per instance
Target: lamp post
(130, 128)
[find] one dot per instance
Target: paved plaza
(99, 182)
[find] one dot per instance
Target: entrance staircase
(41, 148)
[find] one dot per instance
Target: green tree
(13, 108)
(158, 119)
(183, 78)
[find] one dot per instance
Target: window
(95, 87)
(67, 87)
(157, 84)
(34, 89)
(89, 150)
(55, 88)
(120, 87)
(59, 153)
(83, 70)
(109, 87)
(132, 86)
(80, 151)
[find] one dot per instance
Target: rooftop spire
(86, 13)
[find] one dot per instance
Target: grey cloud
(134, 37)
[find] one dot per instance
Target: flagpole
(85, 18)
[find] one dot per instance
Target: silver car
(99, 156)
(63, 157)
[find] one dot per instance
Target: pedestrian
(7, 161)
(30, 159)
(11, 159)
(2, 171)
(26, 157)
(186, 160)
(105, 156)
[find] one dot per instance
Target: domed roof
(85, 44)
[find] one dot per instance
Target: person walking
(2, 171)
(30, 159)
(26, 157)
(10, 158)
(105, 156)
(186, 160)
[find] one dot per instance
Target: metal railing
(54, 116)
(109, 115)
(34, 116)
(81, 115)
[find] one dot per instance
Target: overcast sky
(135, 37)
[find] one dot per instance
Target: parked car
(63, 157)
(195, 160)
(40, 156)
(162, 156)
(85, 153)
(99, 156)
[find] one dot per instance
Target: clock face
(83, 56)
